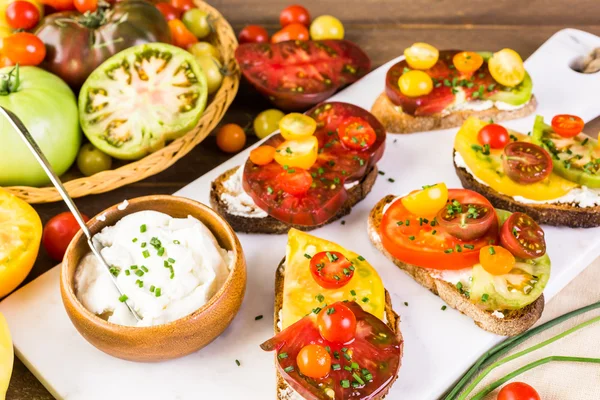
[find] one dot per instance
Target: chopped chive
(328, 349)
(171, 260)
(307, 256)
(289, 369)
(361, 258)
(469, 246)
(444, 307)
(330, 311)
(354, 365)
(134, 267)
(433, 232)
(400, 223)
(358, 378)
(152, 288)
(336, 354)
(238, 362)
(176, 242)
(139, 272)
(143, 245)
(282, 356)
(146, 253)
(336, 367)
(492, 251)
(353, 292)
(320, 298)
(345, 383)
(134, 240)
(411, 237)
(161, 251)
(347, 356)
(143, 228)
(347, 368)
(391, 180)
(365, 299)
(406, 303)
(143, 268)
(123, 298)
(380, 172)
(127, 272)
(157, 292)
(317, 310)
(485, 297)
(448, 251)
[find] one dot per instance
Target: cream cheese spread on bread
(461, 104)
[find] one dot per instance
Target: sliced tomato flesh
(373, 358)
(331, 269)
(356, 134)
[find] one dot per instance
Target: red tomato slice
(567, 125)
(523, 237)
(356, 134)
(376, 350)
(295, 181)
(525, 162)
(428, 244)
(331, 269)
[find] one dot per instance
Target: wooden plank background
(383, 28)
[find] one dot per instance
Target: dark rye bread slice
(393, 322)
(570, 215)
(272, 225)
(513, 323)
(396, 121)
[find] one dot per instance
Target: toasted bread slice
(396, 121)
(284, 391)
(271, 225)
(513, 323)
(556, 214)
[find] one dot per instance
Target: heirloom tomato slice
(296, 75)
(361, 369)
(335, 166)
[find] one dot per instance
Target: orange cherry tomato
(182, 36)
(337, 323)
(169, 11)
(231, 138)
(331, 269)
(295, 181)
(356, 133)
(86, 5)
(23, 48)
(294, 15)
(262, 155)
(291, 32)
(467, 62)
(314, 361)
(496, 260)
(183, 5)
(567, 125)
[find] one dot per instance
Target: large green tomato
(47, 107)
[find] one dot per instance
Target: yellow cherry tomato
(267, 122)
(467, 61)
(421, 55)
(296, 126)
(415, 83)
(6, 356)
(496, 260)
(427, 202)
(506, 67)
(326, 27)
(301, 153)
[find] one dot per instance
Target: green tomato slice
(517, 95)
(140, 98)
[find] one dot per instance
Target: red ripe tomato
(253, 34)
(525, 162)
(84, 6)
(291, 32)
(518, 391)
(22, 15)
(58, 233)
(337, 323)
(23, 48)
(295, 181)
(60, 5)
(169, 11)
(294, 15)
(331, 269)
(183, 5)
(523, 237)
(182, 36)
(567, 125)
(356, 134)
(495, 135)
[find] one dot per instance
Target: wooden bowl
(174, 339)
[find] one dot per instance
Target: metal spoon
(39, 156)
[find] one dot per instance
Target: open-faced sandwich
(552, 174)
(313, 172)
(433, 89)
(336, 335)
(487, 263)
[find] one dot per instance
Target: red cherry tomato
(518, 391)
(86, 5)
(495, 135)
(526, 163)
(567, 125)
(295, 181)
(60, 5)
(24, 48)
(467, 221)
(337, 323)
(253, 34)
(183, 5)
(294, 15)
(291, 32)
(182, 36)
(331, 269)
(356, 133)
(169, 11)
(58, 233)
(523, 237)
(22, 15)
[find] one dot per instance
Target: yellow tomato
(6, 357)
(506, 67)
(421, 55)
(467, 61)
(20, 235)
(496, 260)
(301, 153)
(415, 83)
(296, 126)
(427, 202)
(326, 27)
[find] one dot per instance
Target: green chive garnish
(258, 317)
(289, 369)
(134, 240)
(238, 362)
(281, 356)
(152, 288)
(143, 228)
(171, 260)
(123, 298)
(157, 292)
(492, 251)
(176, 242)
(143, 268)
(361, 258)
(353, 292)
(444, 308)
(307, 256)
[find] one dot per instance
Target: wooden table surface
(383, 28)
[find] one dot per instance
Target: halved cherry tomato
(523, 237)
(525, 162)
(296, 126)
(314, 361)
(183, 5)
(466, 221)
(58, 233)
(253, 34)
(231, 138)
(337, 323)
(415, 83)
(262, 155)
(518, 391)
(427, 202)
(356, 133)
(22, 14)
(294, 15)
(495, 135)
(24, 48)
(84, 6)
(290, 32)
(506, 67)
(182, 36)
(467, 62)
(421, 56)
(496, 260)
(295, 181)
(168, 11)
(567, 125)
(331, 269)
(301, 153)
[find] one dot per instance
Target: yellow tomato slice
(301, 153)
(506, 67)
(421, 55)
(296, 126)
(20, 235)
(302, 294)
(488, 168)
(6, 356)
(415, 83)
(427, 202)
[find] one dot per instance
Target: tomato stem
(9, 83)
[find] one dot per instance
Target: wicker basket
(225, 40)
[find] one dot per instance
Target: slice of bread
(396, 121)
(556, 214)
(513, 323)
(284, 391)
(271, 225)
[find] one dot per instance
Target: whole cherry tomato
(294, 15)
(337, 323)
(60, 5)
(262, 155)
(291, 32)
(314, 361)
(518, 391)
(253, 34)
(496, 260)
(22, 15)
(23, 48)
(169, 11)
(182, 36)
(231, 138)
(84, 6)
(495, 135)
(58, 233)
(183, 5)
